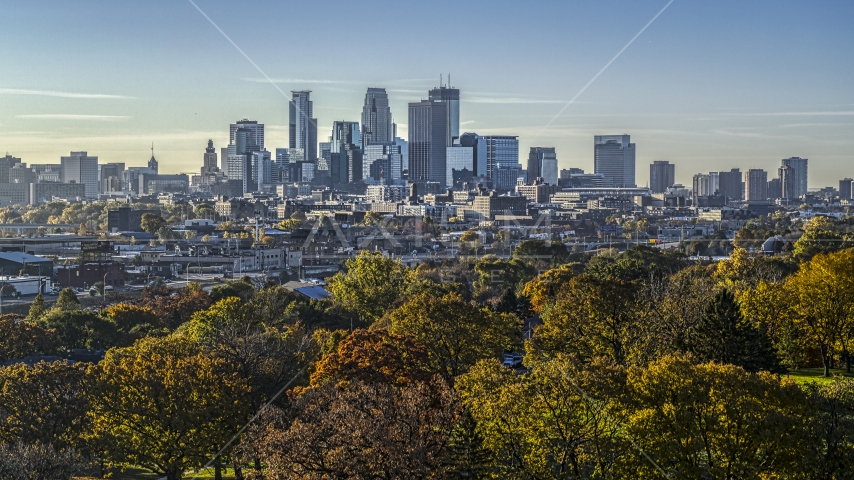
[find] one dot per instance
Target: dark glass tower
(428, 127)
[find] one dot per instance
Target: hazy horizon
(707, 86)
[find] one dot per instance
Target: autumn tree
(79, 329)
(769, 307)
(20, 338)
(131, 321)
(165, 404)
(823, 294)
(361, 431)
(821, 235)
(829, 429)
(370, 284)
(592, 318)
(151, 223)
(542, 290)
(711, 421)
(559, 421)
(456, 333)
(45, 403)
(37, 308)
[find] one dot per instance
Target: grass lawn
(805, 375)
(144, 474)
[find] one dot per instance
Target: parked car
(512, 360)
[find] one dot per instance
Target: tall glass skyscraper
(498, 150)
(451, 97)
(614, 158)
(542, 162)
(428, 126)
(799, 175)
(377, 124)
(302, 128)
(256, 129)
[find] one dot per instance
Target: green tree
(151, 223)
(821, 234)
(233, 288)
(131, 321)
(370, 284)
(79, 329)
(165, 404)
(67, 300)
(829, 430)
(724, 336)
(37, 308)
(456, 333)
(20, 338)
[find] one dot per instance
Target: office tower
(404, 153)
(451, 97)
(303, 126)
(346, 153)
(542, 163)
(239, 165)
(20, 174)
(79, 167)
(845, 190)
(478, 146)
(209, 163)
(730, 185)
(377, 125)
(506, 177)
(263, 171)
(382, 163)
(223, 159)
(497, 150)
(756, 185)
(110, 177)
(6, 163)
(257, 132)
(460, 163)
(614, 157)
(662, 174)
(799, 175)
(787, 178)
(428, 127)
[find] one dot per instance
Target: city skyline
(783, 95)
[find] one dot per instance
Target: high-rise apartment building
(428, 134)
(756, 185)
(451, 97)
(787, 179)
(302, 127)
(377, 123)
(845, 190)
(542, 163)
(799, 175)
(614, 157)
(79, 167)
(662, 174)
(731, 185)
(498, 150)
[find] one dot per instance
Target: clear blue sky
(708, 86)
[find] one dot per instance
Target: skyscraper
(256, 129)
(302, 128)
(377, 125)
(662, 174)
(845, 189)
(239, 164)
(382, 163)
(79, 167)
(614, 158)
(460, 162)
(428, 131)
(731, 185)
(451, 97)
(542, 163)
(346, 153)
(478, 146)
(799, 175)
(498, 150)
(756, 185)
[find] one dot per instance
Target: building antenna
(152, 149)
(440, 80)
(449, 79)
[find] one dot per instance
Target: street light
(104, 288)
